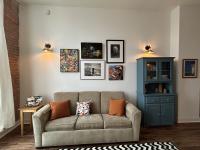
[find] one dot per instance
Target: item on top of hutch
(190, 68)
(156, 95)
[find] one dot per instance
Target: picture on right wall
(116, 72)
(190, 68)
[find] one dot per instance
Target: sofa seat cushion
(61, 124)
(116, 121)
(93, 121)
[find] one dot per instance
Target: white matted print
(92, 70)
(115, 51)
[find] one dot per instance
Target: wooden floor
(184, 136)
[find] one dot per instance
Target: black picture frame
(91, 50)
(190, 68)
(115, 51)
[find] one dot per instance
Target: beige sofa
(99, 127)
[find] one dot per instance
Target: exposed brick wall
(11, 24)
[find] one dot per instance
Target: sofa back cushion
(60, 109)
(94, 97)
(106, 97)
(71, 96)
(117, 107)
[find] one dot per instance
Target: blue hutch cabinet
(156, 96)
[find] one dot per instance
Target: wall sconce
(47, 48)
(148, 49)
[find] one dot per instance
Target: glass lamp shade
(148, 49)
(47, 48)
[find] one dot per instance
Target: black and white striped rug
(144, 146)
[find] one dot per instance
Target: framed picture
(69, 60)
(92, 70)
(190, 68)
(115, 51)
(116, 72)
(91, 50)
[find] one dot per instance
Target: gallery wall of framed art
(90, 60)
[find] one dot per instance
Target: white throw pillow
(83, 108)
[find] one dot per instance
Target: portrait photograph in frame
(190, 68)
(92, 70)
(115, 51)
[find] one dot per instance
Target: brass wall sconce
(47, 48)
(148, 49)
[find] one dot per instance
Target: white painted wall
(185, 45)
(67, 28)
(175, 34)
(189, 89)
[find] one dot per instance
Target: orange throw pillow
(60, 109)
(117, 107)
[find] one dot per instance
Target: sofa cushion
(61, 124)
(116, 121)
(72, 96)
(105, 98)
(93, 121)
(83, 108)
(94, 97)
(60, 109)
(117, 107)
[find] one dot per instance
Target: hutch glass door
(151, 70)
(165, 70)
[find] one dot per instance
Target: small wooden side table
(30, 110)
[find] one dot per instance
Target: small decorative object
(148, 49)
(165, 91)
(47, 48)
(91, 50)
(69, 60)
(160, 88)
(115, 51)
(116, 72)
(34, 101)
(92, 70)
(190, 68)
(83, 108)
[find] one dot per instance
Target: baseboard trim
(4, 133)
(188, 120)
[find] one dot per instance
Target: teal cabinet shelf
(155, 91)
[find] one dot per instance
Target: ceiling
(122, 4)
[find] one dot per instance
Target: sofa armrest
(134, 114)
(39, 120)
